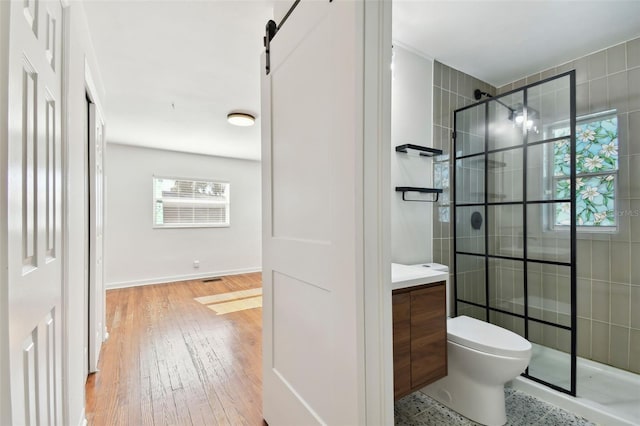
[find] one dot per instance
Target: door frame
(72, 153)
(93, 298)
(64, 128)
(376, 227)
(5, 404)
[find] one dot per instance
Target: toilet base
(482, 404)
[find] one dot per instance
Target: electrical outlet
(196, 264)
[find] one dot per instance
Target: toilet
(481, 358)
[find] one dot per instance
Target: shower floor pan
(606, 395)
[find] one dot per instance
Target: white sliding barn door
(33, 164)
(313, 243)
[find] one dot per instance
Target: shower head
(477, 94)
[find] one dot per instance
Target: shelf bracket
(405, 189)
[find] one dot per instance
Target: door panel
(29, 165)
(51, 176)
(34, 219)
(311, 143)
(292, 197)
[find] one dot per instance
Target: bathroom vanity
(419, 327)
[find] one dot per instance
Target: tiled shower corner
(418, 409)
(608, 276)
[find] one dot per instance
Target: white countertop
(403, 276)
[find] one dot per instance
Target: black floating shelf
(424, 151)
(405, 189)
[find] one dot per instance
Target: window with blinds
(181, 203)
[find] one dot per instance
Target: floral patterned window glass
(441, 180)
(596, 172)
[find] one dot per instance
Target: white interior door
(96, 245)
(34, 216)
(312, 215)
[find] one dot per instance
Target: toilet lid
(485, 337)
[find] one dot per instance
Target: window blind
(190, 203)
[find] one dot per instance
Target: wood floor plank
(170, 360)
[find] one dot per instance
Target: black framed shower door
(514, 258)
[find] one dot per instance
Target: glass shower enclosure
(514, 220)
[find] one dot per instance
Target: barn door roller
(272, 29)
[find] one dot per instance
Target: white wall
(136, 253)
(411, 121)
(79, 50)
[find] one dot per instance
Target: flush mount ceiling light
(241, 119)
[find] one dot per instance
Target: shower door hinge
(453, 135)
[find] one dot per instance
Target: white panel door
(312, 175)
(96, 221)
(34, 216)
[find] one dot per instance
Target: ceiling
(173, 70)
(503, 41)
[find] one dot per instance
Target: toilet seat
(485, 337)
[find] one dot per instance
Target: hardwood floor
(170, 360)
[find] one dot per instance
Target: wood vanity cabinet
(419, 337)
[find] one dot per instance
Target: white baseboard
(163, 280)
